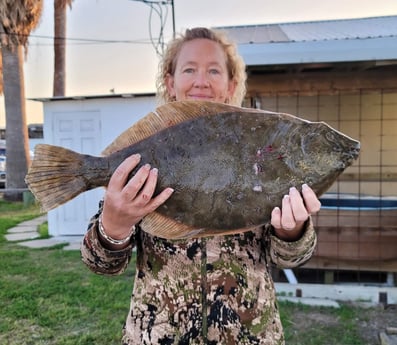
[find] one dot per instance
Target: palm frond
(18, 18)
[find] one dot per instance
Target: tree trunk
(17, 139)
(59, 48)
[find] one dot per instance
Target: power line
(157, 7)
(93, 40)
(87, 40)
(90, 41)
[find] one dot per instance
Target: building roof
(342, 29)
(363, 39)
(85, 97)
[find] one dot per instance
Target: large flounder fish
(229, 166)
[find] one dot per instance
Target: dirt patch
(349, 323)
(303, 318)
(376, 320)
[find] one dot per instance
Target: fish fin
(161, 226)
(217, 232)
(168, 115)
(53, 175)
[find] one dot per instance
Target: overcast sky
(105, 63)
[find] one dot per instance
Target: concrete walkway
(25, 234)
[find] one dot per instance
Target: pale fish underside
(229, 166)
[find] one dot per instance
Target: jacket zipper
(204, 288)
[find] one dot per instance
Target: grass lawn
(48, 296)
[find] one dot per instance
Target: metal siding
(315, 31)
(342, 29)
(319, 51)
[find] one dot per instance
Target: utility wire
(93, 40)
(157, 7)
(88, 40)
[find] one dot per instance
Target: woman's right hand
(127, 202)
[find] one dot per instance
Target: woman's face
(201, 73)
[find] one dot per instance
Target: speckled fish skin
(229, 166)
(230, 170)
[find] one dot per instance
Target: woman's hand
(295, 210)
(127, 202)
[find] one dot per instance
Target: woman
(215, 290)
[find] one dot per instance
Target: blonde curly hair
(235, 64)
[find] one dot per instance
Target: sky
(108, 46)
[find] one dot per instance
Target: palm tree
(60, 7)
(1, 74)
(17, 19)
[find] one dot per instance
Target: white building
(87, 125)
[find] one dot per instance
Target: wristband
(110, 239)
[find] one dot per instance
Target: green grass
(43, 230)
(304, 325)
(12, 214)
(48, 296)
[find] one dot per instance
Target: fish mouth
(351, 155)
(355, 150)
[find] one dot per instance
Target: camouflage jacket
(214, 290)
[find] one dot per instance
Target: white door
(79, 131)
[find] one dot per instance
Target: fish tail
(54, 176)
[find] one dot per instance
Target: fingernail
(137, 156)
(155, 171)
(305, 186)
(147, 166)
(286, 196)
(292, 189)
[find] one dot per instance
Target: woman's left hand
(295, 210)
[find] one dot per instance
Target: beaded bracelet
(110, 239)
